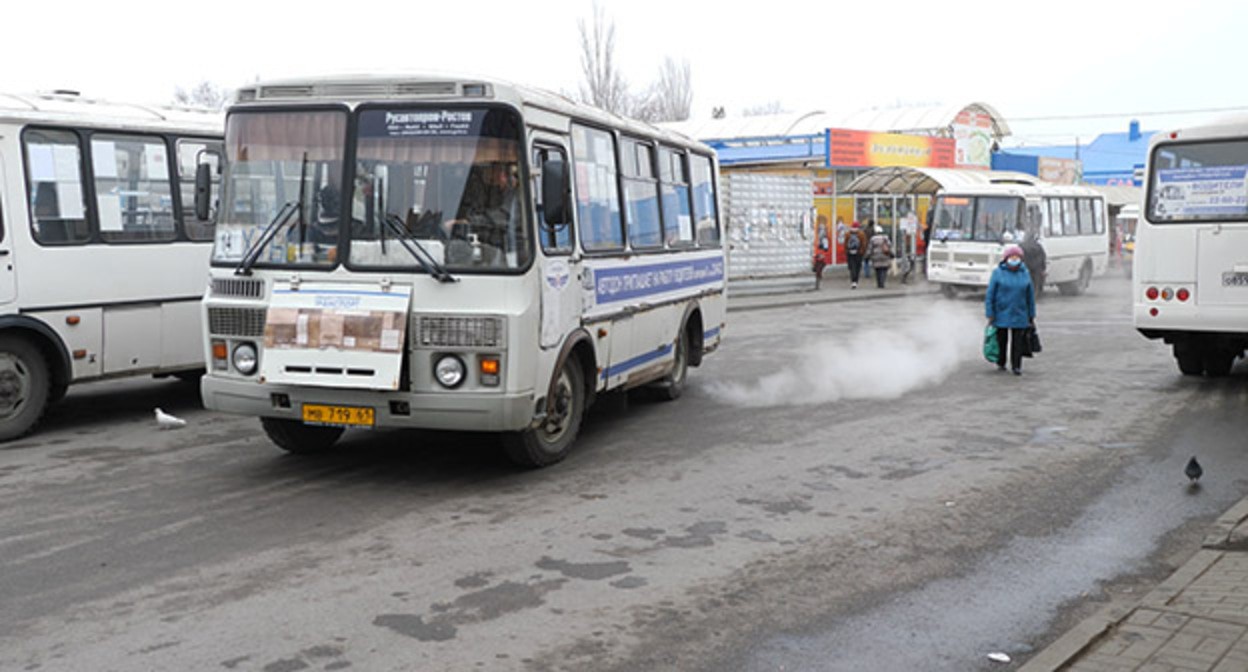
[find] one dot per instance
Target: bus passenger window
(704, 201)
(597, 192)
(1055, 216)
(1086, 224)
(674, 184)
(641, 196)
(191, 153)
(1070, 221)
(133, 193)
(54, 186)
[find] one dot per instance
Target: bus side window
(133, 192)
(641, 196)
(1035, 225)
(1055, 216)
(597, 189)
(1070, 221)
(1087, 225)
(191, 153)
(1098, 214)
(555, 239)
(704, 213)
(677, 208)
(58, 211)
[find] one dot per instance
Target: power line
(1111, 115)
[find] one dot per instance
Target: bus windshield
(977, 218)
(279, 164)
(1199, 182)
(446, 178)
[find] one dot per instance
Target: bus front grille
(969, 258)
(242, 322)
(245, 287)
(461, 332)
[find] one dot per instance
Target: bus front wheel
(551, 441)
(25, 387)
(949, 291)
(295, 437)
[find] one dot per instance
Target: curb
(1226, 535)
(790, 301)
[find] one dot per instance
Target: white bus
(1191, 247)
(100, 257)
(973, 225)
(501, 256)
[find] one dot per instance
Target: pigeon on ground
(1193, 470)
(166, 421)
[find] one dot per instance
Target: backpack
(853, 244)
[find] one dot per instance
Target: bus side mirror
(203, 191)
(555, 193)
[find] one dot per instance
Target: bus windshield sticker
(420, 123)
(1210, 191)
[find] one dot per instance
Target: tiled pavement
(1195, 621)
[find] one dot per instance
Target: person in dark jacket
(1010, 306)
(855, 248)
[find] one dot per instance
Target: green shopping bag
(991, 349)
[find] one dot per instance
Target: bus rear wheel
(1079, 285)
(672, 386)
(552, 440)
(1190, 362)
(25, 387)
(1218, 362)
(295, 437)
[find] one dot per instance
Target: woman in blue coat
(1011, 306)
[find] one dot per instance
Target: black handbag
(1033, 341)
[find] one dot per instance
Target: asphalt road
(843, 487)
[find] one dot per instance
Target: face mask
(1014, 263)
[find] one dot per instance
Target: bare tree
(773, 107)
(604, 86)
(204, 94)
(671, 97)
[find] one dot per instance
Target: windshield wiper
(279, 221)
(414, 248)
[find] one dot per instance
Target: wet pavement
(845, 485)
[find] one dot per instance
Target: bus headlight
(450, 371)
(245, 358)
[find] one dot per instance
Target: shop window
(597, 193)
(58, 211)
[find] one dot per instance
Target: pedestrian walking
(823, 250)
(880, 250)
(1010, 306)
(855, 246)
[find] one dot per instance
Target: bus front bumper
(498, 412)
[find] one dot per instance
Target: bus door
(560, 266)
(8, 277)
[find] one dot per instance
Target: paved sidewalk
(1195, 621)
(800, 290)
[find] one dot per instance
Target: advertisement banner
(847, 148)
(972, 133)
(1208, 191)
(1059, 171)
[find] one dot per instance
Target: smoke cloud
(871, 363)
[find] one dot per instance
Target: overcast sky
(1036, 59)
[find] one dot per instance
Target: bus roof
(1021, 190)
(443, 88)
(70, 108)
(1232, 126)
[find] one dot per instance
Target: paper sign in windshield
(430, 123)
(1211, 191)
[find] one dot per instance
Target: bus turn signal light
(220, 355)
(1167, 294)
(489, 371)
(1183, 295)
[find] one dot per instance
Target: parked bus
(457, 254)
(972, 226)
(1191, 247)
(100, 256)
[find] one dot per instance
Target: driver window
(556, 239)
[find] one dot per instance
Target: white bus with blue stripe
(453, 253)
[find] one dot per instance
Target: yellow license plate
(343, 416)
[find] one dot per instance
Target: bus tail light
(1152, 293)
(489, 371)
(1183, 294)
(1167, 294)
(220, 355)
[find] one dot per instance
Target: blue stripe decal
(706, 336)
(612, 371)
(346, 292)
(630, 282)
